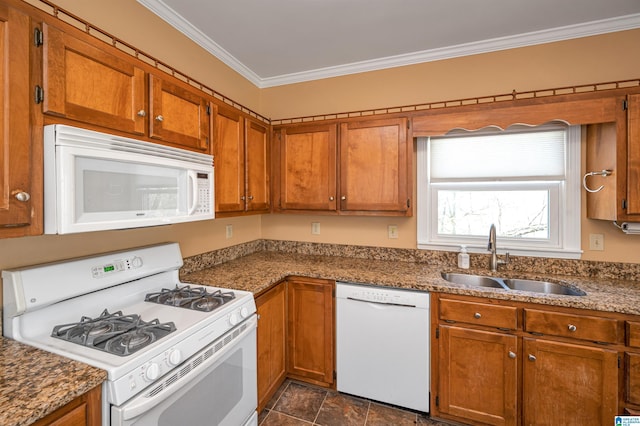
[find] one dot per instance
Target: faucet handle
(506, 259)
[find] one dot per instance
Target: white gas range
(173, 352)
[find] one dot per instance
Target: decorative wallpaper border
(536, 265)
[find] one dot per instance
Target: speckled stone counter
(34, 383)
(259, 271)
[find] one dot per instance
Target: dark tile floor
(301, 404)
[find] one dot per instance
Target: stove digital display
(109, 268)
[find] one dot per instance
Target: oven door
(220, 389)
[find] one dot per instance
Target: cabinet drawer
(633, 334)
(504, 317)
(583, 327)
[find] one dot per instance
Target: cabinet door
(178, 116)
(375, 166)
(84, 83)
(633, 154)
(566, 384)
(310, 339)
(272, 314)
(228, 152)
(478, 375)
(15, 135)
(308, 167)
(257, 159)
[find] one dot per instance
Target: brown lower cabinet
(85, 410)
(509, 363)
(272, 321)
(295, 334)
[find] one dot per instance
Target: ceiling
(276, 42)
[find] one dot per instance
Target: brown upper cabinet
(357, 167)
(241, 155)
(21, 187)
(88, 84)
(615, 146)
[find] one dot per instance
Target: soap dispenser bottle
(463, 258)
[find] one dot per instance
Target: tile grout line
(326, 393)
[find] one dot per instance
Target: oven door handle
(155, 394)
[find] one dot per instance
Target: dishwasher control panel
(373, 294)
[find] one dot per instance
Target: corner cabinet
(242, 163)
(310, 330)
(352, 168)
(508, 363)
(271, 341)
(21, 188)
(92, 85)
(615, 146)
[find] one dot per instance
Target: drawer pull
(512, 355)
(477, 315)
(532, 357)
(572, 327)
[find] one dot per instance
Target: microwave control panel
(116, 266)
(204, 194)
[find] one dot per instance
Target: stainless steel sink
(473, 280)
(542, 287)
(534, 286)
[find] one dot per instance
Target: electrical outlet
(229, 231)
(315, 228)
(393, 231)
(596, 242)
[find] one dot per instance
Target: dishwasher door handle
(355, 299)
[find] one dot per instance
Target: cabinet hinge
(437, 401)
(335, 375)
(625, 105)
(38, 94)
(208, 109)
(38, 37)
(624, 204)
(437, 333)
(619, 361)
(408, 203)
(408, 124)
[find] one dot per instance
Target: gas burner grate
(114, 333)
(195, 298)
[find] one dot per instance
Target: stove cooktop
(196, 298)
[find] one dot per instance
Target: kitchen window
(525, 181)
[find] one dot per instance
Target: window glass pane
(516, 155)
(517, 214)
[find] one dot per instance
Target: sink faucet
(493, 260)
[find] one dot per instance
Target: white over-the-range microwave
(95, 181)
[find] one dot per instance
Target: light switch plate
(315, 228)
(596, 242)
(393, 231)
(229, 231)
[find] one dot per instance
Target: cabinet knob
(159, 118)
(331, 198)
(572, 327)
(512, 355)
(22, 196)
(243, 198)
(142, 113)
(250, 197)
(344, 197)
(477, 315)
(532, 357)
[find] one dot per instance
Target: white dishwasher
(382, 344)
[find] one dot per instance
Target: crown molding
(604, 26)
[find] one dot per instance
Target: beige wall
(594, 59)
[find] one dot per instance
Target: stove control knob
(244, 312)
(152, 371)
(174, 357)
(233, 319)
(136, 262)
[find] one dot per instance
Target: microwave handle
(193, 181)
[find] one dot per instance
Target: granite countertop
(259, 271)
(34, 383)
